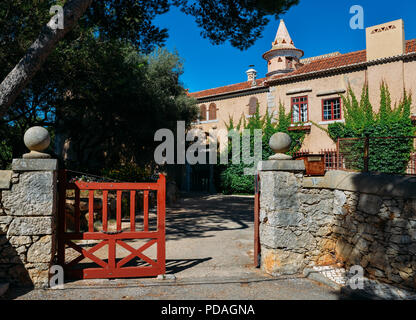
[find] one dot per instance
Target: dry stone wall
(305, 223)
(27, 227)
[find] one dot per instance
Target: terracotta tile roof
(332, 62)
(411, 46)
(314, 66)
(342, 60)
(227, 89)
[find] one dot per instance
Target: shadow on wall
(378, 232)
(12, 266)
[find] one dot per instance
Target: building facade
(310, 88)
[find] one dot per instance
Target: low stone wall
(343, 219)
(27, 222)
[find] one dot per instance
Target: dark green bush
(232, 178)
(129, 172)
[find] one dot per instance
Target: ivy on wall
(385, 155)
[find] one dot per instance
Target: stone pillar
(28, 203)
(282, 243)
(27, 222)
(29, 212)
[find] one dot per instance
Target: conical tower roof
(283, 41)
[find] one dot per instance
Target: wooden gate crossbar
(112, 268)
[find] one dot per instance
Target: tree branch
(36, 55)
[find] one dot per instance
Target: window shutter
(252, 106)
(203, 113)
(212, 111)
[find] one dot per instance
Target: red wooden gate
(111, 267)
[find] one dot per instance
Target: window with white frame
(300, 109)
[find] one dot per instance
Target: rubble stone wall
(27, 228)
(307, 222)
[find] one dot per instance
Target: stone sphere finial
(37, 139)
(280, 144)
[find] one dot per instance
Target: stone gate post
(280, 181)
(28, 209)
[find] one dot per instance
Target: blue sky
(316, 26)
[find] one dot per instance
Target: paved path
(210, 252)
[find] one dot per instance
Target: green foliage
(105, 98)
(239, 21)
(386, 155)
(359, 115)
(102, 88)
(128, 173)
(112, 120)
(233, 179)
(283, 124)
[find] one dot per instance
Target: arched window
(212, 111)
(252, 106)
(203, 113)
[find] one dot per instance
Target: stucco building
(310, 88)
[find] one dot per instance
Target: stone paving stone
(372, 288)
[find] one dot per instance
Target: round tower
(283, 56)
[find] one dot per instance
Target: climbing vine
(385, 155)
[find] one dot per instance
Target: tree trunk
(36, 55)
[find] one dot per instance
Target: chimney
(385, 40)
(252, 75)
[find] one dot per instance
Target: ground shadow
(177, 265)
(196, 217)
(193, 216)
(172, 266)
